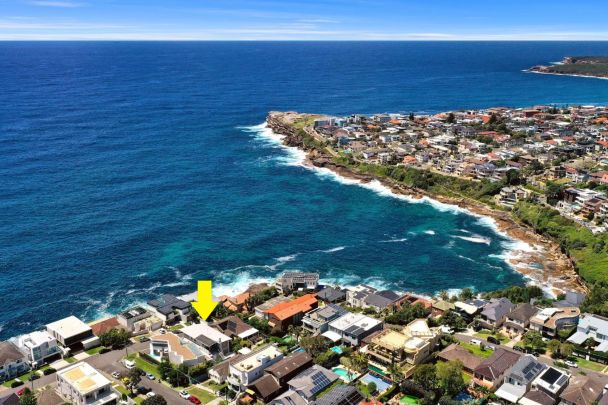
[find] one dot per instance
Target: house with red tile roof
(281, 315)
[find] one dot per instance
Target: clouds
(60, 4)
(440, 20)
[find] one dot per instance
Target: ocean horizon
(132, 169)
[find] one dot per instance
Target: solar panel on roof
(552, 375)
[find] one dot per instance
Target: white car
(476, 342)
(570, 363)
(150, 376)
(150, 394)
(129, 364)
(184, 394)
(116, 374)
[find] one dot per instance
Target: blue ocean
(130, 169)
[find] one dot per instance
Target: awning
(510, 392)
(578, 338)
(602, 347)
(333, 336)
(248, 332)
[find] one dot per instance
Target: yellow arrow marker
(204, 305)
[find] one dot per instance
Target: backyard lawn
(94, 350)
(144, 365)
(591, 365)
(201, 394)
(485, 333)
(23, 378)
(476, 350)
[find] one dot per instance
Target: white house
(81, 384)
(72, 333)
(39, 347)
(251, 367)
(213, 343)
(594, 327)
(352, 328)
(13, 363)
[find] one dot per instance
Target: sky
(303, 20)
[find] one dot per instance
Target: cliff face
(290, 125)
(558, 270)
(283, 123)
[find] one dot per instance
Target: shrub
(48, 371)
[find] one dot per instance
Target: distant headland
(586, 66)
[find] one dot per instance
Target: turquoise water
(381, 385)
(132, 169)
(344, 375)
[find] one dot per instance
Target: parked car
(144, 339)
(184, 395)
(571, 363)
(21, 391)
(116, 374)
(519, 349)
(194, 400)
(150, 376)
(143, 390)
(129, 364)
(493, 340)
(150, 394)
(476, 342)
(33, 377)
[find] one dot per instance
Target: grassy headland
(586, 251)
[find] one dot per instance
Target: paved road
(108, 363)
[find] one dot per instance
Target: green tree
(534, 340)
(465, 294)
(260, 324)
(553, 346)
(134, 377)
(371, 387)
(512, 177)
(314, 344)
(28, 398)
(566, 350)
(164, 368)
(425, 375)
(407, 314)
(115, 338)
(449, 377)
(359, 361)
(453, 320)
(154, 400)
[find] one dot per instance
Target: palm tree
(395, 371)
(359, 361)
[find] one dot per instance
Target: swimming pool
(381, 385)
(344, 374)
(336, 349)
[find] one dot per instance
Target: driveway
(108, 363)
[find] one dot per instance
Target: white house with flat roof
(81, 384)
(178, 350)
(251, 367)
(352, 328)
(39, 347)
(592, 327)
(213, 342)
(72, 333)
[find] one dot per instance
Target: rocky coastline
(544, 264)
